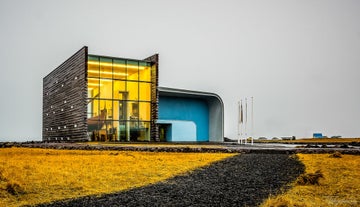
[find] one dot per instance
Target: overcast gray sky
(298, 59)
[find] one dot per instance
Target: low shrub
(294, 156)
(310, 178)
(336, 154)
(14, 188)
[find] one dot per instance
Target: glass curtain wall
(119, 99)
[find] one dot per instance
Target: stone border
(156, 148)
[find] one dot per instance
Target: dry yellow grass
(339, 187)
(32, 176)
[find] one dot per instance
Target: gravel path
(243, 180)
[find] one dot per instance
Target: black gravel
(243, 180)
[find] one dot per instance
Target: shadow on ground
(243, 180)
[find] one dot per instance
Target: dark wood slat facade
(154, 96)
(64, 100)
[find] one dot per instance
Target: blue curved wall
(186, 109)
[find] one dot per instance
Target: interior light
(96, 80)
(94, 84)
(105, 80)
(117, 65)
(107, 73)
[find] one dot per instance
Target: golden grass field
(33, 176)
(340, 186)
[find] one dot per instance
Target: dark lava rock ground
(243, 180)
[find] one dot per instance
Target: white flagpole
(245, 120)
(238, 123)
(252, 120)
(241, 121)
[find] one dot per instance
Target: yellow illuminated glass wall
(119, 99)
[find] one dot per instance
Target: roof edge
(189, 93)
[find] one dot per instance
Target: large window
(119, 97)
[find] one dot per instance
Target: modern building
(317, 135)
(101, 98)
(190, 116)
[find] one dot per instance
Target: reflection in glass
(93, 87)
(133, 89)
(145, 91)
(93, 67)
(120, 110)
(144, 131)
(144, 71)
(144, 109)
(119, 91)
(132, 70)
(106, 68)
(106, 88)
(119, 95)
(119, 69)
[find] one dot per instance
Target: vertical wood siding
(154, 97)
(64, 100)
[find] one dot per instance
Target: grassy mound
(339, 184)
